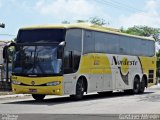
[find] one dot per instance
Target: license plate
(33, 90)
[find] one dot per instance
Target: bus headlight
(53, 83)
(16, 82)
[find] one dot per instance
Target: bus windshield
(36, 60)
(36, 51)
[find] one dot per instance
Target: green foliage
(81, 21)
(65, 22)
(10, 53)
(14, 40)
(142, 31)
(93, 20)
(158, 55)
(97, 21)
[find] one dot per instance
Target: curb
(13, 96)
(155, 86)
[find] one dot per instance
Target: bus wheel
(80, 87)
(38, 97)
(105, 93)
(130, 92)
(142, 86)
(136, 86)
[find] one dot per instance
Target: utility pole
(2, 25)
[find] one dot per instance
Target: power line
(127, 6)
(119, 6)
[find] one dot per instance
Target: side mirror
(60, 50)
(5, 50)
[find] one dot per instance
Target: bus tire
(38, 97)
(136, 86)
(130, 92)
(80, 88)
(105, 93)
(142, 86)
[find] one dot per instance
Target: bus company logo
(123, 66)
(124, 61)
(32, 83)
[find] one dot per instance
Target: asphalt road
(92, 106)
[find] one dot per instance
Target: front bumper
(47, 90)
(39, 86)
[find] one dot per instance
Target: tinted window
(106, 43)
(140, 47)
(41, 35)
(74, 39)
(36, 60)
(100, 42)
(89, 43)
(72, 50)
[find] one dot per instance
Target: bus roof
(85, 26)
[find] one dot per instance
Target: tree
(81, 21)
(158, 55)
(97, 21)
(65, 22)
(93, 20)
(142, 31)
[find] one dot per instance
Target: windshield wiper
(34, 60)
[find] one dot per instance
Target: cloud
(0, 3)
(151, 16)
(68, 9)
(152, 5)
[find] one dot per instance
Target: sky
(117, 13)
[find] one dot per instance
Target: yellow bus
(73, 59)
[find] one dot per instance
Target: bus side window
(71, 61)
(89, 42)
(68, 62)
(72, 51)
